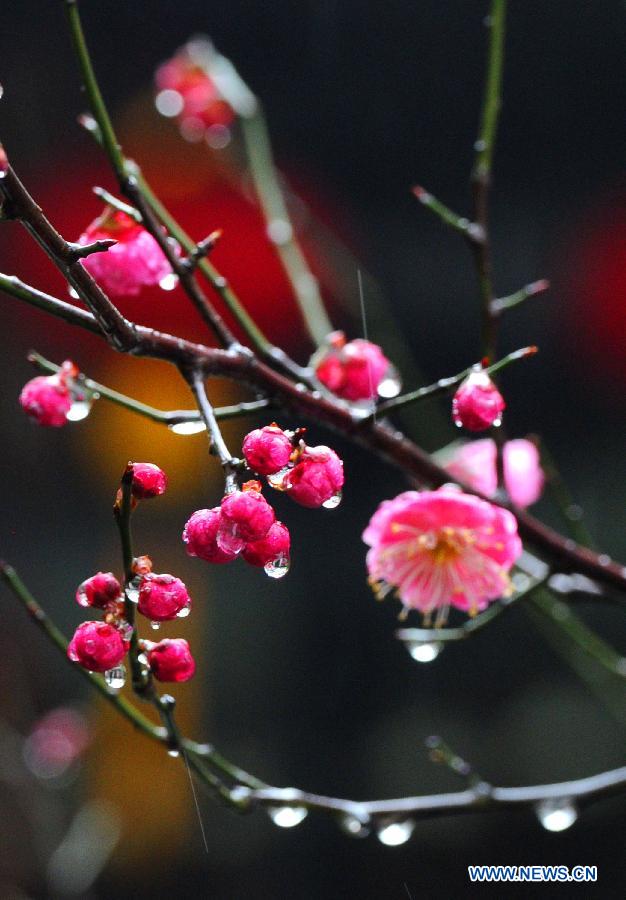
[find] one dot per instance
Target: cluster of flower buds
(53, 400)
(187, 92)
(100, 646)
(134, 262)
(477, 404)
(357, 371)
(244, 523)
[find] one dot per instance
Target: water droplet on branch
(333, 502)
(395, 833)
(424, 651)
(287, 816)
(556, 815)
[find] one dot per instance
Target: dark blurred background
(302, 681)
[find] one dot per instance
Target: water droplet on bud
(173, 753)
(168, 282)
(390, 384)
(277, 568)
(155, 626)
(80, 409)
(115, 678)
(424, 651)
(132, 593)
(187, 427)
(276, 480)
(183, 613)
(556, 815)
(395, 833)
(332, 502)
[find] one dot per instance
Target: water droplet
(169, 103)
(390, 384)
(556, 815)
(424, 651)
(604, 559)
(277, 568)
(115, 678)
(521, 581)
(287, 816)
(132, 593)
(173, 753)
(155, 626)
(276, 480)
(126, 630)
(354, 826)
(333, 502)
(620, 666)
(479, 146)
(279, 231)
(497, 422)
(395, 833)
(574, 512)
(73, 294)
(79, 410)
(187, 427)
(183, 613)
(168, 282)
(1, 92)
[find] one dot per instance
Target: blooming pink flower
(267, 450)
(477, 404)
(171, 660)
(200, 535)
(474, 464)
(162, 597)
(136, 260)
(99, 591)
(274, 546)
(148, 481)
(246, 516)
(46, 399)
(316, 478)
(441, 549)
(97, 646)
(352, 370)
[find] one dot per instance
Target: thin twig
(445, 385)
(248, 792)
(171, 418)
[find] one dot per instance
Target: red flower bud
(148, 481)
(267, 450)
(99, 591)
(171, 660)
(162, 597)
(477, 404)
(97, 646)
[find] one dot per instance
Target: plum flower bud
(474, 464)
(136, 261)
(47, 399)
(477, 404)
(356, 371)
(148, 481)
(441, 549)
(271, 552)
(99, 591)
(200, 536)
(162, 597)
(316, 479)
(171, 660)
(97, 646)
(245, 516)
(187, 92)
(267, 450)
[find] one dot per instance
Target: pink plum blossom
(477, 404)
(352, 370)
(316, 478)
(474, 464)
(171, 660)
(441, 549)
(200, 536)
(136, 261)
